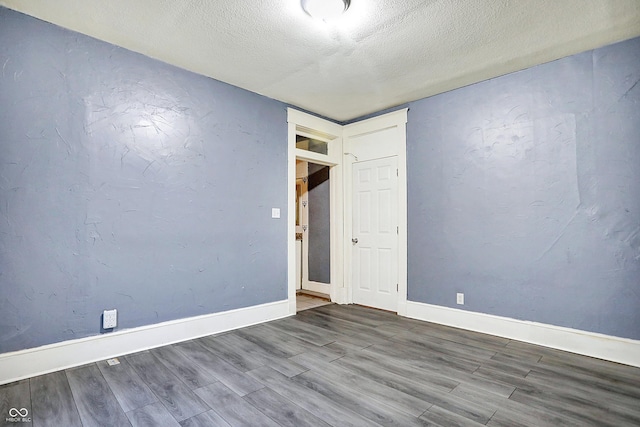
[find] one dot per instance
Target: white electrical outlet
(460, 298)
(109, 319)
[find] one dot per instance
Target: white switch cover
(275, 212)
(109, 319)
(460, 299)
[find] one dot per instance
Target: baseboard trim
(31, 362)
(323, 288)
(615, 349)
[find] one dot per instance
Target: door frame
(341, 157)
(396, 122)
(306, 124)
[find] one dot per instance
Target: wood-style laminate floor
(306, 301)
(336, 366)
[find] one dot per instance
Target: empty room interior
(320, 213)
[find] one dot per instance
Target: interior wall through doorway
(313, 241)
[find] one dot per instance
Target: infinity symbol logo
(22, 412)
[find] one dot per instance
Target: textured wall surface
(127, 183)
(524, 193)
(319, 223)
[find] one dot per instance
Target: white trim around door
(343, 148)
(371, 139)
(323, 130)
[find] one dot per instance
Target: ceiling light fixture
(325, 9)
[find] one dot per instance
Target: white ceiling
(379, 54)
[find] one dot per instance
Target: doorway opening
(338, 152)
(313, 233)
(315, 223)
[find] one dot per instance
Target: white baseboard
(323, 288)
(27, 363)
(615, 349)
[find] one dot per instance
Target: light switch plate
(275, 212)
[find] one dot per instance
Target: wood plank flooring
(305, 301)
(336, 366)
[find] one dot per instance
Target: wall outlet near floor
(460, 298)
(109, 319)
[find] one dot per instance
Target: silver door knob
(354, 240)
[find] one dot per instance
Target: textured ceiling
(379, 54)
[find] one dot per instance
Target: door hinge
(397, 173)
(397, 287)
(398, 230)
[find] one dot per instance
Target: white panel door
(375, 235)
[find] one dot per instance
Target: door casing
(345, 145)
(371, 139)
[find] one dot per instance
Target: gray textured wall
(127, 183)
(524, 193)
(319, 224)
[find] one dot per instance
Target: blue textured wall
(524, 193)
(127, 183)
